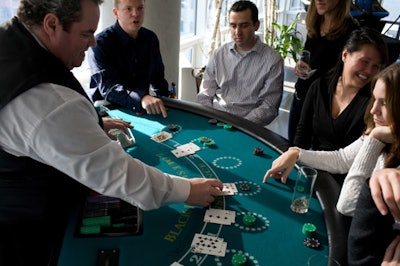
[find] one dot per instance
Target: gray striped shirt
(249, 85)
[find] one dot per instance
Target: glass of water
(303, 189)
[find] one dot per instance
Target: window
(8, 9)
(188, 18)
(196, 27)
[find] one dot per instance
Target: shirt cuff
(180, 190)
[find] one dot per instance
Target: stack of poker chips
(309, 230)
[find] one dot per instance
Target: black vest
(24, 64)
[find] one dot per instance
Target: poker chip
(239, 259)
(209, 144)
(213, 121)
(311, 242)
(88, 230)
(220, 124)
(205, 139)
(258, 151)
(309, 229)
(249, 220)
(172, 128)
(227, 126)
(100, 220)
(244, 187)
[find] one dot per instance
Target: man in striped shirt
(245, 76)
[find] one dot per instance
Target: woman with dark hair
(332, 114)
(377, 148)
(328, 24)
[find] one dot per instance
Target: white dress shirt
(57, 126)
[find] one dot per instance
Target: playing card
(176, 264)
(209, 245)
(161, 136)
(219, 216)
(229, 189)
(218, 251)
(190, 147)
(185, 149)
(180, 153)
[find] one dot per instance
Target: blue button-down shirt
(123, 69)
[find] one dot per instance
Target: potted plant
(288, 40)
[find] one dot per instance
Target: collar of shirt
(34, 36)
(124, 37)
(257, 48)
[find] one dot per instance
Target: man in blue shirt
(127, 61)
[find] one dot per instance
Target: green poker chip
(239, 259)
(249, 220)
(227, 126)
(90, 230)
(309, 229)
(100, 220)
(209, 144)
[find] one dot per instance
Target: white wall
(163, 17)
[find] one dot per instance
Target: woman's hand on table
(283, 165)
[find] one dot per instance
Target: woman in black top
(328, 26)
(333, 110)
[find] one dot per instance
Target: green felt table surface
(275, 239)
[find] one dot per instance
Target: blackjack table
(240, 153)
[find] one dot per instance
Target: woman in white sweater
(377, 148)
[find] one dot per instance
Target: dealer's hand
(110, 123)
(203, 191)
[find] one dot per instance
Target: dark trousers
(33, 216)
(36, 243)
(370, 232)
